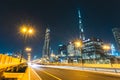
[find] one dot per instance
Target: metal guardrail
(96, 67)
(115, 70)
(14, 71)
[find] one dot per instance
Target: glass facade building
(116, 33)
(92, 49)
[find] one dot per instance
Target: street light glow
(24, 30)
(27, 30)
(28, 49)
(30, 31)
(106, 47)
(78, 44)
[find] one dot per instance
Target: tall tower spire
(81, 27)
(46, 47)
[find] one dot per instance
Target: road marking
(51, 75)
(29, 72)
(36, 74)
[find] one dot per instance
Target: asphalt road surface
(64, 74)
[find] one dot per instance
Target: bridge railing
(6, 61)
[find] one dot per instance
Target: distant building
(62, 49)
(116, 33)
(114, 52)
(62, 53)
(52, 57)
(92, 49)
(74, 53)
(71, 49)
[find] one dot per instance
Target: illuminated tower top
(82, 37)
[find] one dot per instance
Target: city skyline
(61, 17)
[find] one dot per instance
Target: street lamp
(30, 31)
(28, 50)
(26, 31)
(78, 44)
(106, 48)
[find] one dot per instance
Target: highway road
(47, 73)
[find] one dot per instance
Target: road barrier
(87, 65)
(95, 67)
(17, 72)
(110, 70)
(7, 61)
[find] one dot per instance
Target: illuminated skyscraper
(46, 47)
(116, 33)
(113, 50)
(82, 36)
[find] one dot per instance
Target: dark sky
(99, 17)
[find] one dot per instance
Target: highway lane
(64, 74)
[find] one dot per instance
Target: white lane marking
(36, 74)
(29, 73)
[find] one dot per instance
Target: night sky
(98, 17)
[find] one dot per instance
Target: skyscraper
(82, 36)
(116, 33)
(46, 47)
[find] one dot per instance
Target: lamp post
(26, 31)
(28, 50)
(106, 48)
(78, 45)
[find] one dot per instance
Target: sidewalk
(30, 74)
